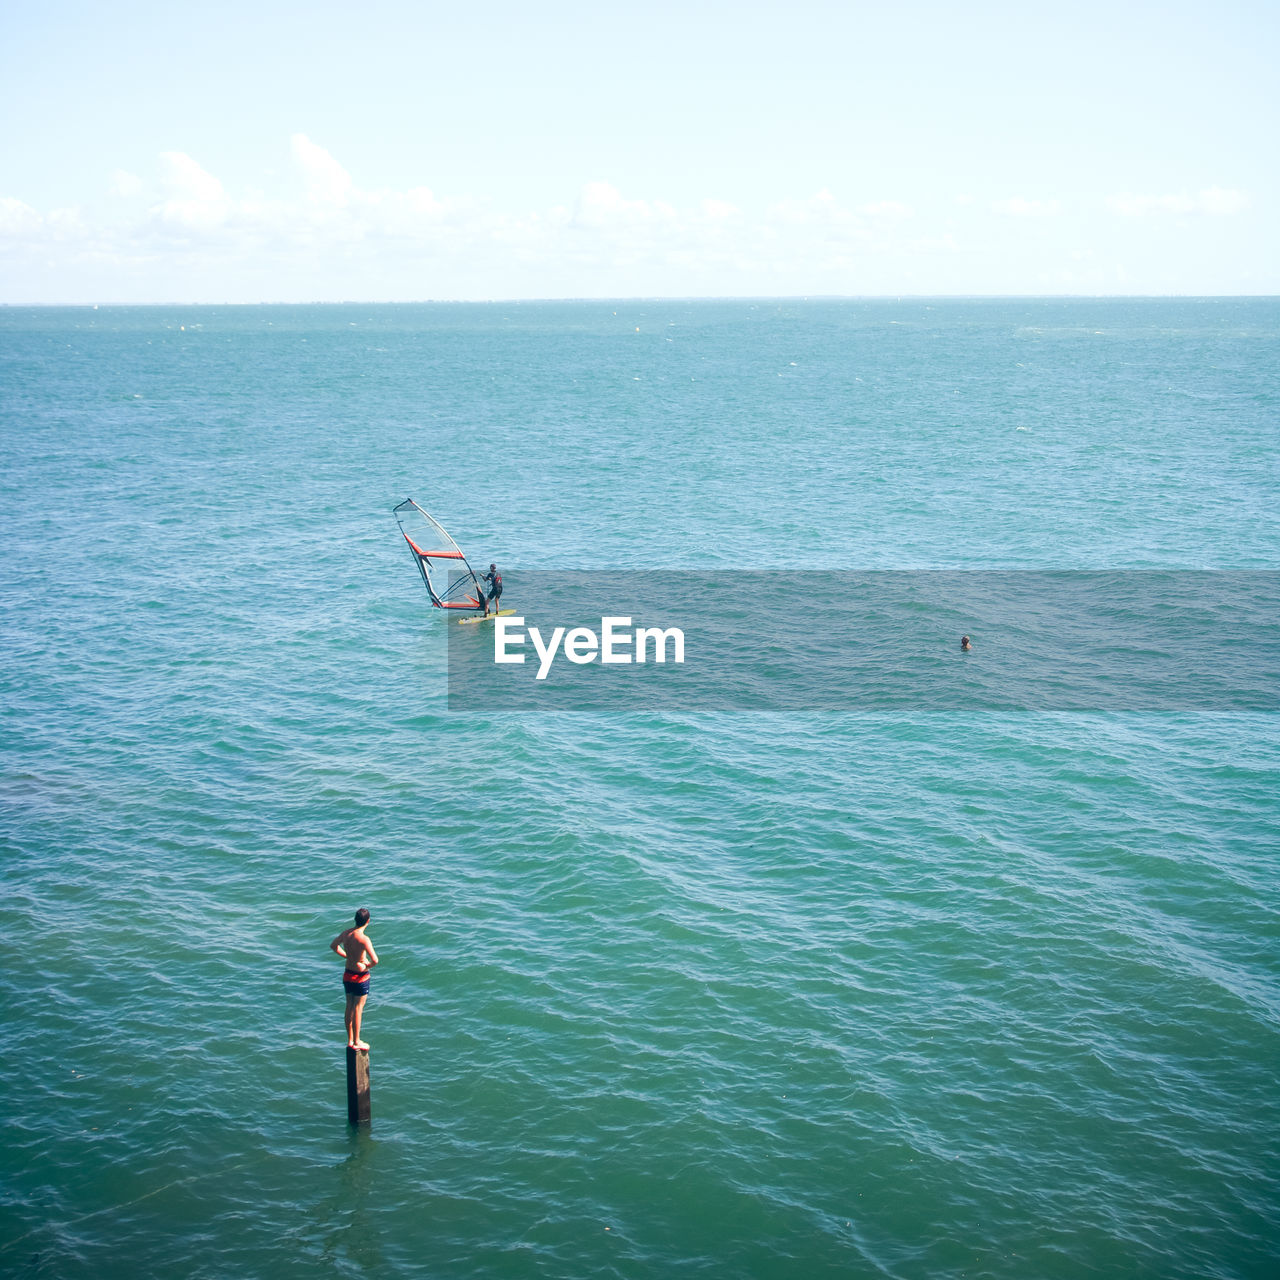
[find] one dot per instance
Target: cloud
(189, 181)
(886, 209)
(416, 213)
(66, 224)
(601, 204)
(420, 200)
(821, 207)
(124, 183)
(1139, 206)
(1213, 200)
(331, 210)
(1017, 207)
(177, 229)
(327, 182)
(719, 210)
(197, 201)
(936, 244)
(18, 220)
(192, 218)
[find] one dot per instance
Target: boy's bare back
(354, 946)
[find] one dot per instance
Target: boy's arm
(370, 952)
(336, 945)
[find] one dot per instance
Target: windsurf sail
(450, 580)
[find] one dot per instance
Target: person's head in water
(362, 917)
(964, 643)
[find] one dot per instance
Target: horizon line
(632, 298)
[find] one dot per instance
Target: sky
(260, 152)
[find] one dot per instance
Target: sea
(689, 991)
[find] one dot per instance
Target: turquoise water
(718, 994)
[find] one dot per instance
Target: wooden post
(357, 1085)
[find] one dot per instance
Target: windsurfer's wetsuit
(494, 579)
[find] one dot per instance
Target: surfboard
(463, 622)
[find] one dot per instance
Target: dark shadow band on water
(1169, 640)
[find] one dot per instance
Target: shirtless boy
(354, 947)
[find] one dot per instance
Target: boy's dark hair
(362, 916)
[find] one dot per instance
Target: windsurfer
(494, 580)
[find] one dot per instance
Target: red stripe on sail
(433, 555)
